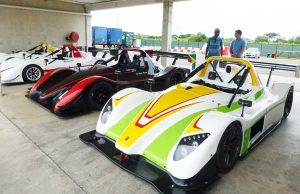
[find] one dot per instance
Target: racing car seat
(136, 62)
(124, 60)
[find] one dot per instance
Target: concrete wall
(22, 29)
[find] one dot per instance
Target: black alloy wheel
(229, 147)
(99, 94)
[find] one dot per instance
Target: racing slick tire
(99, 94)
(288, 103)
(229, 148)
(32, 73)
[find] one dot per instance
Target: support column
(167, 28)
(88, 29)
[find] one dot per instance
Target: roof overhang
(91, 5)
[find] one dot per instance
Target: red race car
(66, 90)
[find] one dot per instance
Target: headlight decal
(188, 144)
(106, 111)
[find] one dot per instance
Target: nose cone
(171, 101)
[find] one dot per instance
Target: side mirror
(78, 65)
(151, 83)
(247, 103)
(244, 103)
(118, 73)
(46, 62)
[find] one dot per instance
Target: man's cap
(238, 31)
(217, 30)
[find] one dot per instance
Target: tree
(294, 40)
(138, 36)
(280, 40)
(175, 37)
(199, 37)
(184, 36)
(272, 36)
(261, 39)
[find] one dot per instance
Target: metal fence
(264, 48)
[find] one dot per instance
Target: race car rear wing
(105, 51)
(277, 66)
(158, 54)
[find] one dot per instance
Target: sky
(253, 17)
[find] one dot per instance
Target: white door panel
(274, 110)
(274, 113)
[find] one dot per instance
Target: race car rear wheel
(229, 147)
(99, 94)
(32, 73)
(288, 103)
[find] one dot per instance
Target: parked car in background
(15, 70)
(41, 50)
(66, 91)
(252, 53)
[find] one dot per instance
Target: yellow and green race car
(180, 139)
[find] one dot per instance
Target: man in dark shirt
(214, 45)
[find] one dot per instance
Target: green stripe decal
(116, 130)
(259, 93)
(158, 153)
(246, 140)
(233, 107)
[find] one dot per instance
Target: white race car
(182, 138)
(14, 70)
(41, 50)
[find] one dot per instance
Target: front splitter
(150, 172)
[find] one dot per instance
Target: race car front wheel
(99, 94)
(32, 73)
(229, 147)
(288, 103)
